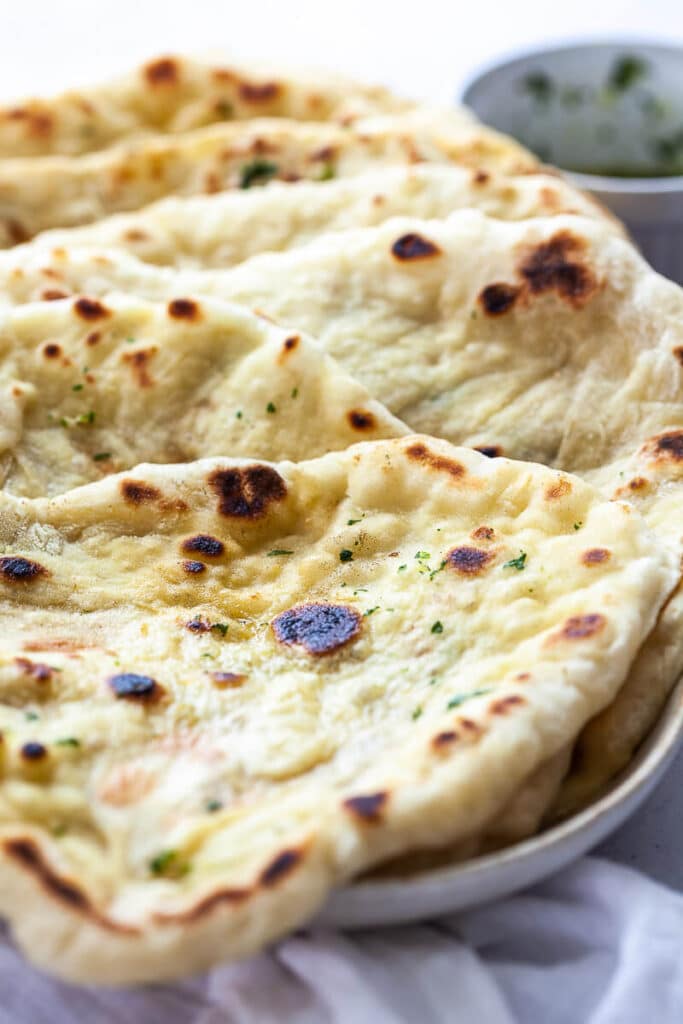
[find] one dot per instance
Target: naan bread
(175, 94)
(225, 229)
(540, 338)
(231, 685)
(90, 388)
(61, 191)
(547, 339)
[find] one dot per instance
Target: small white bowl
(578, 124)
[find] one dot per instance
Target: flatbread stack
(270, 620)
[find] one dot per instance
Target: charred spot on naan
(559, 265)
(228, 680)
(90, 309)
(165, 71)
(35, 669)
(595, 556)
(139, 364)
(469, 561)
(368, 807)
(135, 687)
(559, 488)
(483, 533)
(184, 309)
(289, 345)
(27, 853)
(203, 544)
(361, 419)
(498, 298)
(17, 569)
(52, 350)
(580, 627)
(443, 741)
(420, 453)
(504, 705)
(666, 447)
(137, 492)
(248, 491)
(411, 247)
(280, 867)
(491, 451)
(259, 92)
(318, 628)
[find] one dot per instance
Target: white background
(422, 48)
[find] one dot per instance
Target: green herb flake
(31, 716)
(220, 627)
(278, 551)
(416, 714)
(271, 408)
(455, 702)
(327, 172)
(577, 526)
(434, 572)
(516, 563)
(59, 830)
(539, 85)
(238, 414)
(258, 172)
(295, 392)
(86, 418)
(77, 387)
(130, 341)
(402, 568)
(214, 805)
(371, 611)
(101, 456)
(68, 741)
(167, 865)
(345, 555)
(437, 627)
(422, 556)
(625, 72)
(352, 522)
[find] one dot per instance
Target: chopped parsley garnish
(345, 555)
(131, 341)
(455, 702)
(220, 627)
(401, 568)
(539, 85)
(516, 563)
(278, 551)
(257, 172)
(101, 456)
(433, 572)
(167, 865)
(352, 522)
(31, 716)
(422, 555)
(370, 611)
(68, 741)
(416, 714)
(577, 526)
(271, 408)
(437, 627)
(77, 387)
(214, 805)
(86, 418)
(238, 414)
(295, 392)
(626, 71)
(327, 172)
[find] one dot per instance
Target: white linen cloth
(598, 944)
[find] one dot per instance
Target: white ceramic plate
(478, 881)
